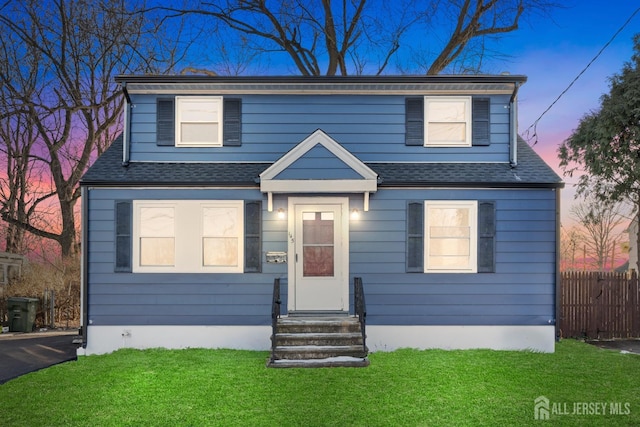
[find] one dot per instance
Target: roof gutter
(84, 264)
(513, 119)
(558, 281)
(127, 125)
(440, 78)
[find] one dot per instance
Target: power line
(535, 123)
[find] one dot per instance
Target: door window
(318, 244)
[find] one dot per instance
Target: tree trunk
(68, 234)
(14, 239)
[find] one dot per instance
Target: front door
(318, 254)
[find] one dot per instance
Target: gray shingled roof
(531, 171)
(109, 170)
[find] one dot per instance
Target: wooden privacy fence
(599, 305)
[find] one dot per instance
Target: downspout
(558, 287)
(513, 119)
(127, 126)
(84, 289)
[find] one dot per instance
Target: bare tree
(58, 61)
(475, 20)
(601, 228)
(340, 37)
(19, 178)
(570, 244)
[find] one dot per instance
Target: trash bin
(22, 313)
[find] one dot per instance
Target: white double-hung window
(451, 230)
(447, 121)
(198, 121)
(157, 235)
(188, 236)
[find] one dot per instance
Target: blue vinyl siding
(370, 127)
(318, 163)
(520, 292)
(164, 299)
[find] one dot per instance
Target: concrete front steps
(313, 342)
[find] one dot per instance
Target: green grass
(198, 387)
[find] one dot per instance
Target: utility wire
(535, 123)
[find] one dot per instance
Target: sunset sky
(552, 54)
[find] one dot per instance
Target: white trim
(467, 120)
(302, 91)
(472, 206)
(291, 243)
(318, 186)
(452, 337)
(106, 339)
(181, 101)
(369, 181)
(188, 236)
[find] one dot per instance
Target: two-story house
(220, 187)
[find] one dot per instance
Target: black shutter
(232, 118)
(486, 237)
(123, 236)
(252, 240)
(480, 125)
(414, 121)
(415, 237)
(165, 122)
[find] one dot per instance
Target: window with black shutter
(486, 237)
(252, 237)
(123, 236)
(232, 113)
(165, 122)
(198, 121)
(480, 125)
(415, 238)
(414, 121)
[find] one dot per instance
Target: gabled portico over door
(318, 232)
(318, 226)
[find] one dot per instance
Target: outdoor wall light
(281, 214)
(355, 214)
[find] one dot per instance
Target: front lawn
(224, 387)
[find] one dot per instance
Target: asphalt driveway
(24, 353)
(627, 345)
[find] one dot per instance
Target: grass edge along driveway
(584, 385)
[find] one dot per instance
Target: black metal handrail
(360, 307)
(275, 311)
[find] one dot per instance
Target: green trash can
(22, 313)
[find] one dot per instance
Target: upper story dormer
(433, 119)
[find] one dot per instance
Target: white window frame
(182, 102)
(433, 101)
(472, 205)
(188, 236)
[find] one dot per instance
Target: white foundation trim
(389, 338)
(106, 339)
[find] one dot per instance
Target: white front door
(318, 254)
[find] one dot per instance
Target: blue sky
(553, 52)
